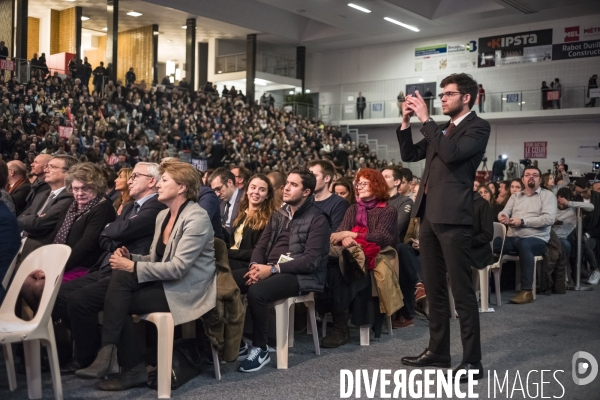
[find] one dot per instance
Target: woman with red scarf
(372, 224)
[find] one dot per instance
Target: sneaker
(594, 278)
(402, 322)
(257, 359)
(244, 351)
(419, 292)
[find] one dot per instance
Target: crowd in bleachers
(287, 206)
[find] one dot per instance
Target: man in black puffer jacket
(300, 231)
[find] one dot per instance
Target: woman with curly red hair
(372, 224)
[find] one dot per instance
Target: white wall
(563, 140)
(45, 33)
(380, 72)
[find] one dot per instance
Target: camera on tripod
(526, 162)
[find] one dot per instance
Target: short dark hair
(565, 192)
(327, 168)
(465, 85)
(110, 175)
(68, 160)
(396, 172)
(532, 167)
(222, 173)
(407, 173)
(582, 183)
(278, 178)
(506, 184)
(244, 173)
(308, 179)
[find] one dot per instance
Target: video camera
(526, 162)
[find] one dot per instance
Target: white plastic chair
(365, 330)
(284, 316)
(166, 332)
(536, 259)
(51, 259)
(496, 268)
(12, 266)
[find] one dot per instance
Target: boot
(340, 334)
(105, 364)
(129, 378)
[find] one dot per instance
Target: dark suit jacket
(208, 200)
(249, 240)
(235, 208)
(450, 168)
(483, 233)
(37, 190)
(19, 197)
(135, 233)
(84, 234)
(39, 229)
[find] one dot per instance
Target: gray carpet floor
(515, 340)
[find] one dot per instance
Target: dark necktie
(47, 204)
(134, 210)
(225, 214)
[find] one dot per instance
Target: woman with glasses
(79, 227)
(256, 209)
(372, 224)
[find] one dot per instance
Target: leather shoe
(468, 367)
(133, 377)
(524, 297)
(427, 359)
(105, 364)
(70, 367)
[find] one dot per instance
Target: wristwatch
(273, 268)
(428, 120)
(522, 223)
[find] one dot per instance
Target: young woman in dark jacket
(256, 209)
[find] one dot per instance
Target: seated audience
(485, 193)
(18, 186)
(397, 184)
(39, 185)
(516, 186)
(42, 216)
(372, 223)
(242, 176)
(182, 256)
(332, 205)
(78, 227)
(256, 209)
(277, 179)
(591, 220)
(345, 189)
(299, 230)
(121, 186)
(503, 193)
(79, 301)
(529, 216)
(209, 201)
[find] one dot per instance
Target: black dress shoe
(70, 367)
(427, 359)
(129, 378)
(468, 367)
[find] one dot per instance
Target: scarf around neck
(363, 207)
(72, 215)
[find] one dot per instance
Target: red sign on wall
(536, 149)
(8, 65)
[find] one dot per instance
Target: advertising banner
(7, 65)
(515, 48)
(579, 41)
(200, 165)
(535, 149)
(448, 56)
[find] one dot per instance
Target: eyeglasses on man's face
(53, 167)
(535, 176)
(134, 176)
(447, 94)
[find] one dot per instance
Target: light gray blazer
(187, 269)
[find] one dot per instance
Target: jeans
(410, 265)
(527, 249)
(566, 245)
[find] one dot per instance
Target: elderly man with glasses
(591, 220)
(529, 215)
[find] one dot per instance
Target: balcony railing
(514, 100)
(265, 62)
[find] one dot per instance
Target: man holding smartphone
(452, 151)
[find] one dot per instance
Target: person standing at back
(452, 151)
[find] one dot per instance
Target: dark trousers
(260, 294)
(408, 258)
(527, 249)
(445, 251)
(360, 112)
(78, 303)
(126, 296)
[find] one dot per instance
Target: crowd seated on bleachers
(299, 207)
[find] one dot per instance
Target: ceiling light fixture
(105, 29)
(291, 92)
(307, 91)
(393, 21)
(184, 26)
(134, 14)
(261, 82)
(359, 8)
(70, 1)
(84, 18)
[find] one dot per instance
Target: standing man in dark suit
(361, 104)
(79, 301)
(18, 185)
(444, 203)
(222, 181)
